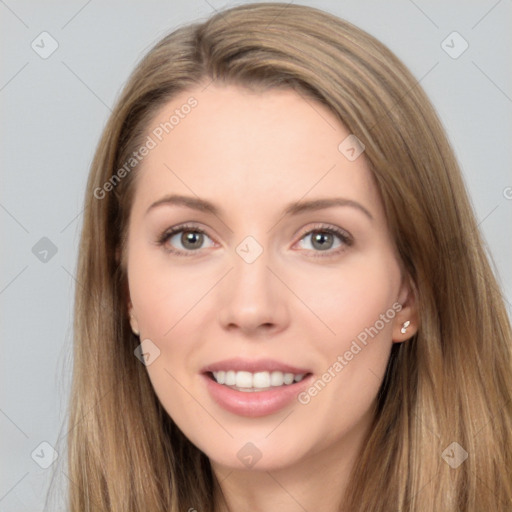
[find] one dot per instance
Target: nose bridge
(251, 276)
(251, 296)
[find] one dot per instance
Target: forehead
(250, 148)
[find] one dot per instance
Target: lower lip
(257, 403)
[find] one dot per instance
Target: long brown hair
(449, 384)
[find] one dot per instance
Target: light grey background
(54, 109)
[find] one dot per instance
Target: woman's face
(284, 270)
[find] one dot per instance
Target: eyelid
(325, 226)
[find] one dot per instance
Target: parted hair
(450, 383)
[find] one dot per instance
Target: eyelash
(345, 238)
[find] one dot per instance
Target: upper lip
(253, 366)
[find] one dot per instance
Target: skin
(251, 153)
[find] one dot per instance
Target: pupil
(322, 239)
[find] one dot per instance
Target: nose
(252, 299)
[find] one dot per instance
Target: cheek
(355, 334)
(352, 298)
(165, 300)
(171, 303)
(161, 293)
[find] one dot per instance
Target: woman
(333, 337)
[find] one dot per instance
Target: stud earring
(406, 324)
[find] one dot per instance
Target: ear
(134, 323)
(406, 321)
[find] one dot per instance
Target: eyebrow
(294, 208)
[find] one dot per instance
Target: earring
(406, 324)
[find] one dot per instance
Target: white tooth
(261, 380)
(256, 381)
(230, 378)
(288, 378)
(243, 380)
(276, 379)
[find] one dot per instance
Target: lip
(253, 365)
(257, 403)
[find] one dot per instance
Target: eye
(328, 239)
(184, 239)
